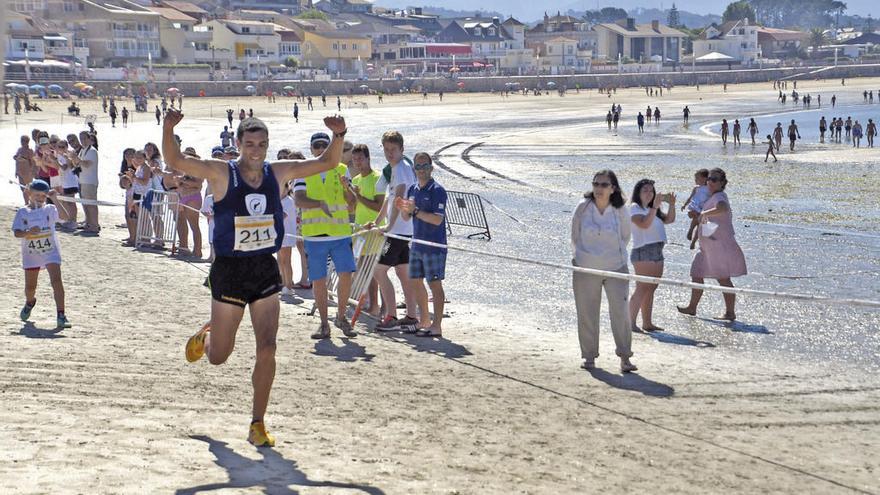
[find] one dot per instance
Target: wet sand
(784, 401)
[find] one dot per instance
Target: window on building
(744, 45)
(570, 49)
(478, 31)
(344, 46)
(245, 29)
(354, 46)
(549, 49)
(336, 46)
(491, 31)
(69, 6)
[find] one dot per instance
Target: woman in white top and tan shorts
(648, 237)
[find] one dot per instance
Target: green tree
(817, 38)
(313, 14)
(291, 63)
(739, 10)
(673, 19)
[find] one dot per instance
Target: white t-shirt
(38, 250)
(208, 211)
(402, 174)
(288, 204)
(653, 234)
(68, 178)
(89, 175)
(141, 188)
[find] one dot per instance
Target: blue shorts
(429, 266)
(339, 251)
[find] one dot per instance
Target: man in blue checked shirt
(426, 204)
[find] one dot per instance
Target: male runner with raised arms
(248, 230)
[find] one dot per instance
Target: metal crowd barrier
(466, 210)
(157, 220)
(367, 247)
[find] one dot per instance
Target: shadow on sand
(433, 345)
(737, 326)
(668, 338)
(31, 331)
(349, 352)
(273, 473)
(634, 382)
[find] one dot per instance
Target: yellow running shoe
(259, 437)
(195, 346)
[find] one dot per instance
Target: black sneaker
(408, 324)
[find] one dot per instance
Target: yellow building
(324, 46)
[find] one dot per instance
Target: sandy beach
(783, 401)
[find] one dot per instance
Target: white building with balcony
(737, 39)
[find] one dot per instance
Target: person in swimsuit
(190, 191)
(248, 230)
(753, 129)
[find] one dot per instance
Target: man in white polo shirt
(396, 251)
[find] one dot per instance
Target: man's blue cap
(320, 137)
(39, 185)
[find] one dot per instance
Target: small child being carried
(694, 203)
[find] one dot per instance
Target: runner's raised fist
(335, 123)
(172, 117)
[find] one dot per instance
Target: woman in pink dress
(720, 257)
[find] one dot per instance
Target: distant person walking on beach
(158, 116)
(737, 129)
(124, 117)
(600, 231)
(823, 126)
(687, 114)
(870, 132)
(720, 257)
(229, 117)
(640, 121)
(753, 129)
(656, 115)
(770, 149)
(615, 118)
(724, 132)
(648, 239)
(296, 112)
(777, 135)
(857, 135)
(833, 100)
(847, 126)
(608, 119)
(793, 135)
(648, 113)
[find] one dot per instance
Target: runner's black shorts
(394, 252)
(243, 280)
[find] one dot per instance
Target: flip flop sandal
(424, 332)
(302, 286)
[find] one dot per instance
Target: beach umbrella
(172, 90)
(364, 86)
(80, 85)
(551, 84)
(55, 88)
(460, 85)
(250, 89)
(288, 88)
(454, 69)
(36, 88)
(87, 88)
(12, 85)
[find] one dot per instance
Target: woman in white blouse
(600, 231)
(648, 238)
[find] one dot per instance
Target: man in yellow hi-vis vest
(327, 233)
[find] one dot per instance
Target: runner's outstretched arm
(212, 170)
(287, 170)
